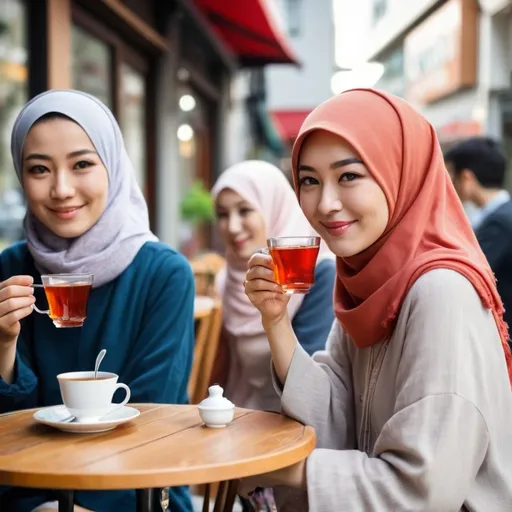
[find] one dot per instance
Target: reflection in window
(393, 78)
(13, 95)
(293, 17)
(191, 121)
(132, 119)
(92, 59)
(379, 9)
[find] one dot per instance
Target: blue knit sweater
(144, 318)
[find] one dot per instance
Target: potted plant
(196, 210)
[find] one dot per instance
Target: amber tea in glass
(294, 261)
(67, 296)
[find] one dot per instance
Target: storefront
(163, 67)
(13, 94)
(498, 24)
(441, 69)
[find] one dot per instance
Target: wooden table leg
(221, 497)
(66, 501)
(231, 496)
(226, 496)
(144, 500)
(206, 498)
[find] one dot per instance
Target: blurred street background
(198, 85)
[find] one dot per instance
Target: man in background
(478, 168)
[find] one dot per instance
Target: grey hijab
(109, 246)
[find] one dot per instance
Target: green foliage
(197, 205)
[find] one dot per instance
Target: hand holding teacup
(270, 282)
(285, 268)
(263, 290)
(16, 302)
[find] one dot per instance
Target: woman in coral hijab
(411, 399)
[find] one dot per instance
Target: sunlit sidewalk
(197, 502)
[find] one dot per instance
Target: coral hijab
(427, 226)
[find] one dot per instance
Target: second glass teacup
(294, 260)
(67, 296)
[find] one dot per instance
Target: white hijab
(266, 188)
(111, 244)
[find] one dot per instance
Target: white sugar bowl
(216, 411)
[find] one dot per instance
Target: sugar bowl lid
(215, 400)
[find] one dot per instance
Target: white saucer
(53, 416)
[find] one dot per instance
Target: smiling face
(241, 225)
(339, 196)
(64, 179)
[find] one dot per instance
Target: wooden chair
(208, 331)
(205, 268)
(208, 328)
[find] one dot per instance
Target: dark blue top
(145, 320)
(313, 321)
(495, 238)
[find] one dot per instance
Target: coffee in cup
(89, 399)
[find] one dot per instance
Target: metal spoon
(99, 358)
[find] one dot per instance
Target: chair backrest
(205, 267)
(208, 328)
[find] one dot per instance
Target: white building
(292, 91)
(430, 53)
(495, 84)
(452, 59)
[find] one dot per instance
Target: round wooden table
(167, 445)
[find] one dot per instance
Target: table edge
(171, 477)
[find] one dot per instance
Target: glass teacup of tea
(67, 296)
(294, 260)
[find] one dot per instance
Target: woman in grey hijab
(86, 214)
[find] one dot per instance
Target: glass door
(132, 119)
(105, 66)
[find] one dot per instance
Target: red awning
(248, 29)
(288, 122)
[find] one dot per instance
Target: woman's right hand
(263, 290)
(268, 296)
(16, 302)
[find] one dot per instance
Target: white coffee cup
(89, 399)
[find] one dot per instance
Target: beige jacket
(422, 423)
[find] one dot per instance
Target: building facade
(452, 59)
(165, 68)
(430, 52)
(294, 91)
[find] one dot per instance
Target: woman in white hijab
(254, 201)
(86, 214)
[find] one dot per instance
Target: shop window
(92, 65)
(132, 118)
(379, 8)
(194, 147)
(13, 95)
(112, 71)
(293, 17)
